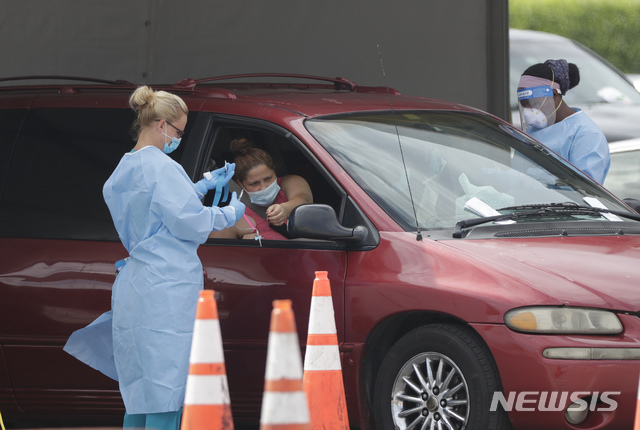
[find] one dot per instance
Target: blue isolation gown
(580, 141)
(161, 222)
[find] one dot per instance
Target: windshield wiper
(539, 210)
(570, 208)
(472, 222)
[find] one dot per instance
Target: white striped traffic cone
(284, 404)
(322, 370)
(207, 403)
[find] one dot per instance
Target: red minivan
(479, 280)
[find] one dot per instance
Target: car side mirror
(316, 221)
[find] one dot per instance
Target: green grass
(611, 28)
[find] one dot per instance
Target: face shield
(537, 107)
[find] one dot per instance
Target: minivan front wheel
(438, 376)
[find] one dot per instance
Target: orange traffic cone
(322, 371)
(636, 425)
(207, 403)
(284, 405)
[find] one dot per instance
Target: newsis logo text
(547, 401)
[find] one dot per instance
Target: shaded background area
(455, 50)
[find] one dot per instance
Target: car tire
(456, 393)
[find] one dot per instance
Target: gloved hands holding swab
(237, 205)
(210, 180)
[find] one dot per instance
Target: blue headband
(535, 92)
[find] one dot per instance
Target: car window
(289, 155)
(10, 123)
(599, 83)
(623, 179)
(448, 158)
(53, 186)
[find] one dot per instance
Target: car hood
(601, 272)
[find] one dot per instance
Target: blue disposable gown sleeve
(590, 153)
(93, 345)
(176, 203)
(580, 141)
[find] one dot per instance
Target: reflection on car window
(623, 179)
(449, 158)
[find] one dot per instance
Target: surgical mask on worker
(265, 197)
(537, 107)
(171, 146)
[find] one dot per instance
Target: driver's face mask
(537, 107)
(265, 197)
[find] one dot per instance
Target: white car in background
(604, 93)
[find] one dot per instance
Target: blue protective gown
(161, 222)
(580, 141)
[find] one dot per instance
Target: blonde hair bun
(141, 96)
(153, 105)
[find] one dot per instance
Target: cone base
(285, 427)
(207, 417)
(327, 404)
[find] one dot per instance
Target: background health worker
(161, 222)
(565, 130)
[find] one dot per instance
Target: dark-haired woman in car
(271, 198)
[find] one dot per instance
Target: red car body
(383, 287)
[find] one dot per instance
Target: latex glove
(210, 180)
(237, 205)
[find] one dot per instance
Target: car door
(247, 278)
(11, 117)
(57, 252)
(248, 275)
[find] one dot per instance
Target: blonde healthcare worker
(565, 130)
(161, 221)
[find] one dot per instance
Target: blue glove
(120, 265)
(237, 205)
(211, 179)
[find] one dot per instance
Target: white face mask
(265, 197)
(537, 119)
(537, 107)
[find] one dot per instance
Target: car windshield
(450, 158)
(599, 83)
